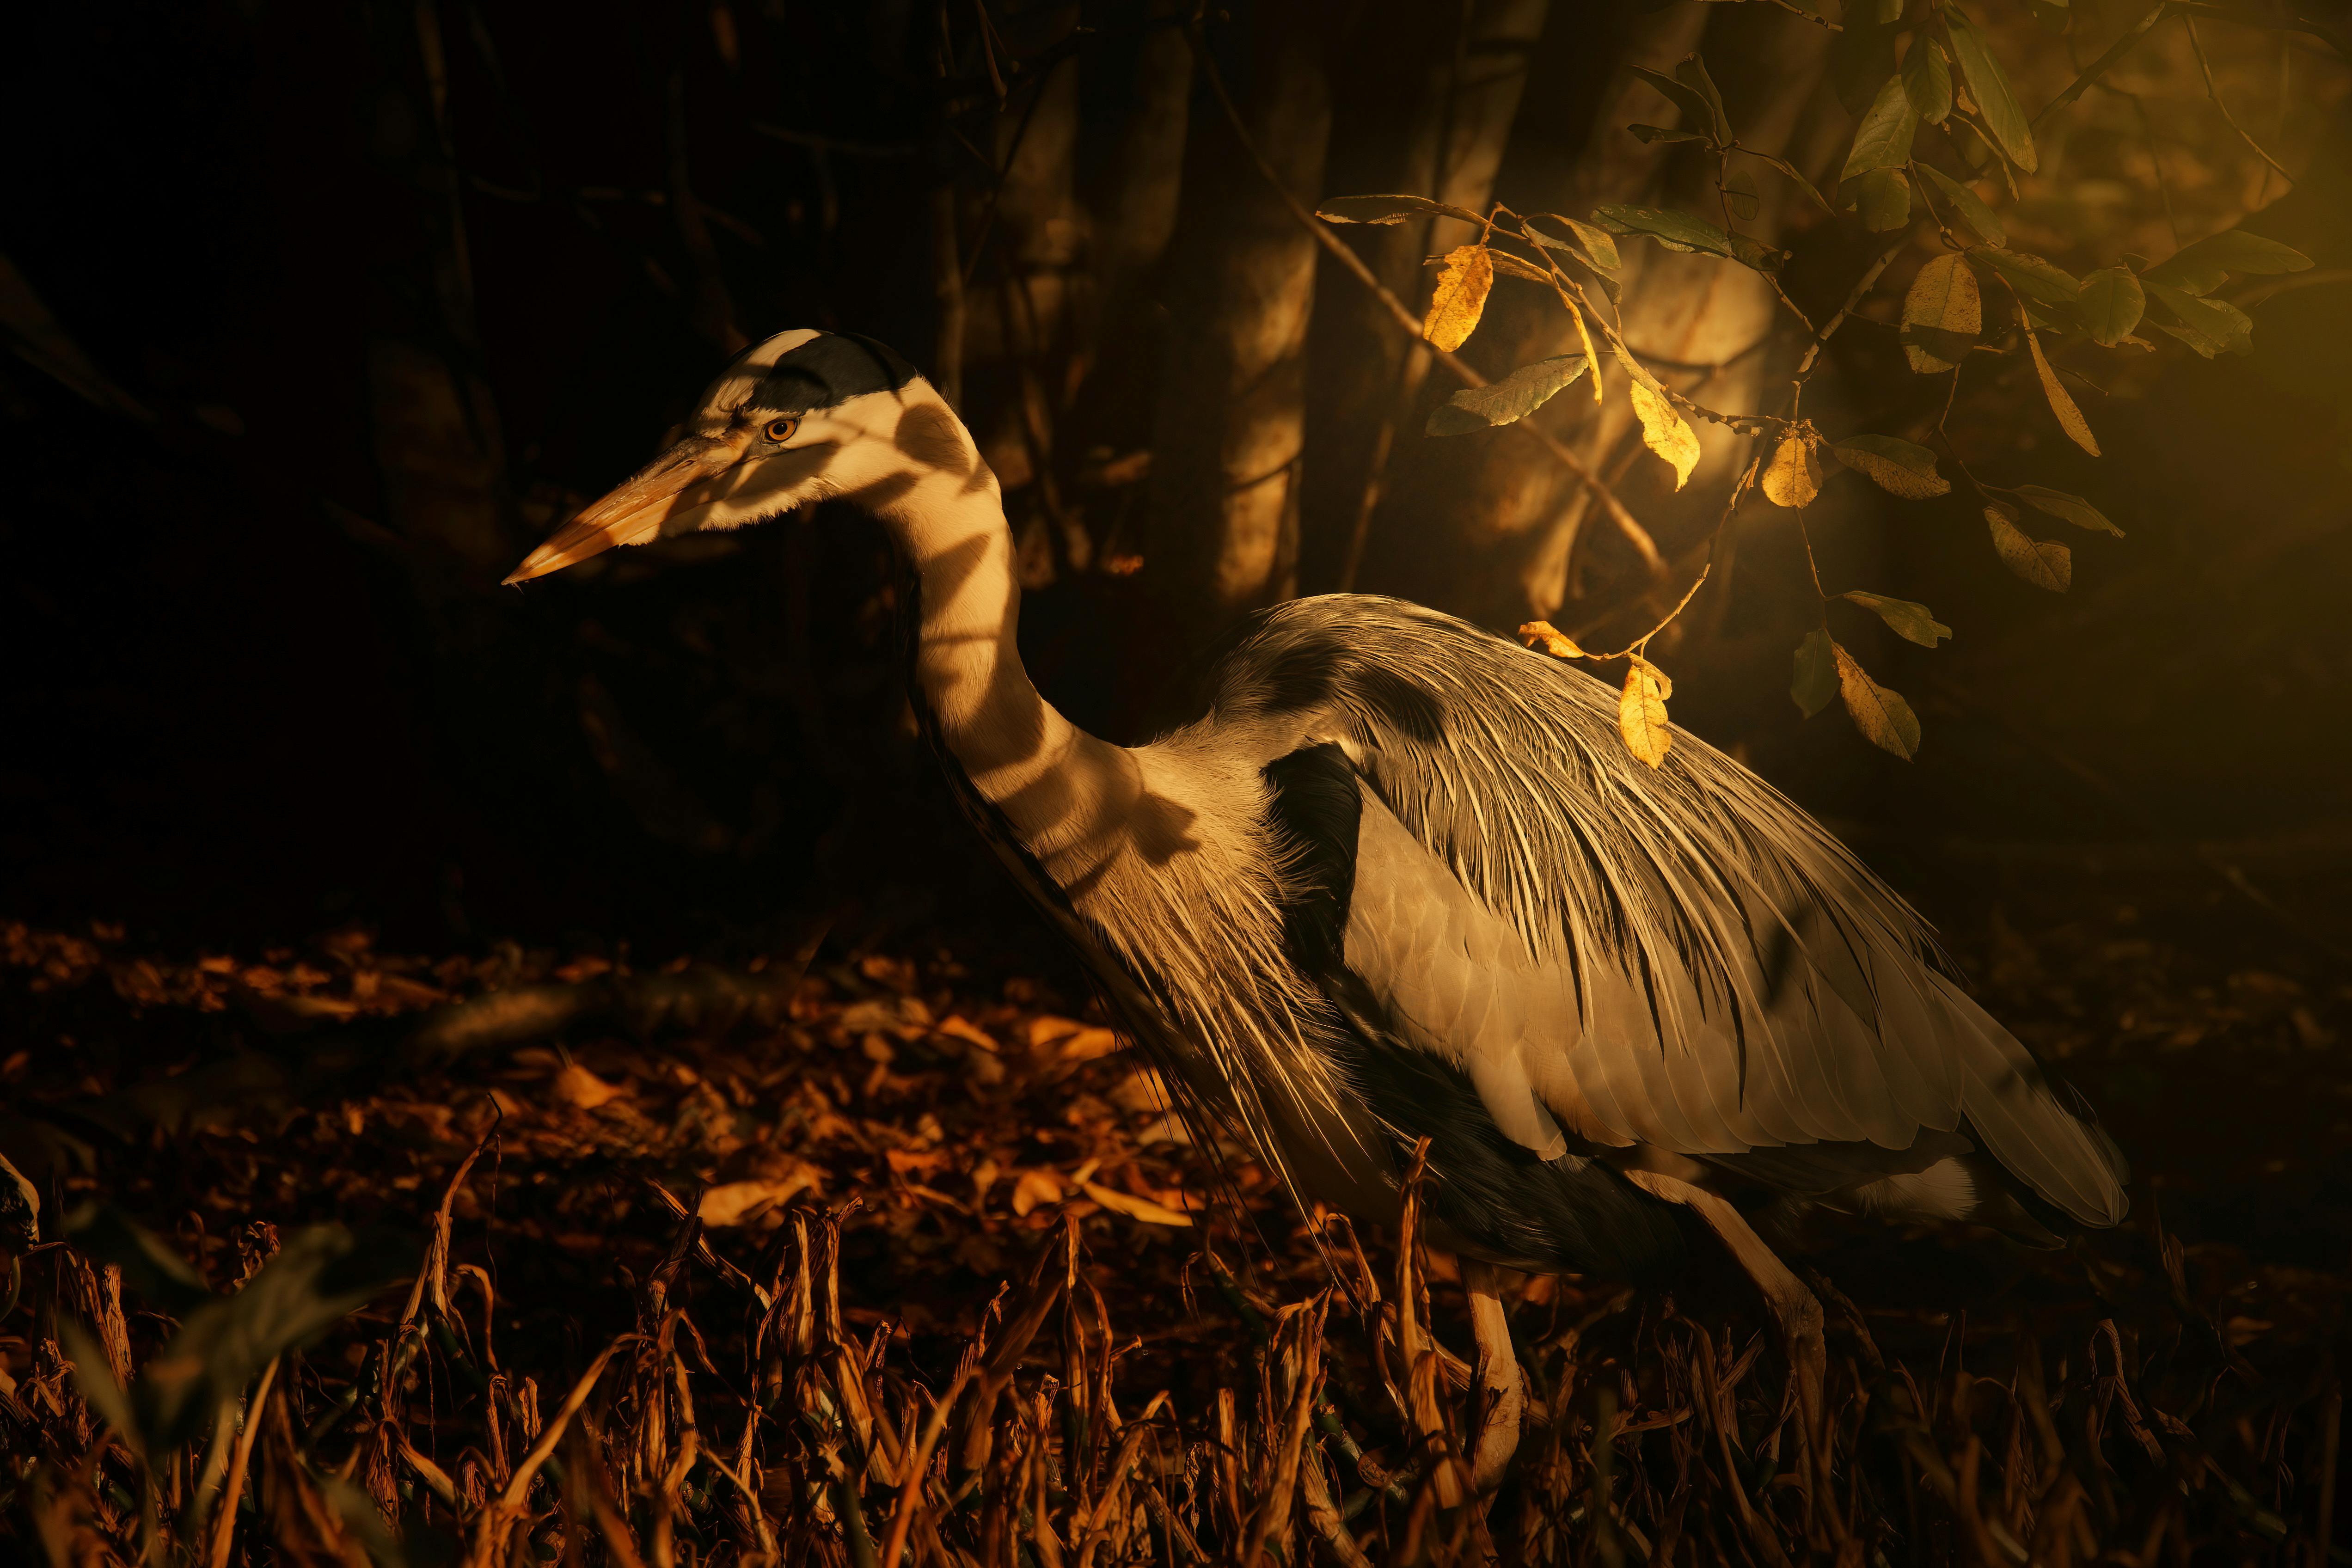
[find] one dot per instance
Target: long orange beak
(634, 512)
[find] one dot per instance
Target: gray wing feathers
(1677, 957)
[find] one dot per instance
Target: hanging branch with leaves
(1944, 123)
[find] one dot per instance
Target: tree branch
(1635, 535)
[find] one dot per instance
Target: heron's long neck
(1065, 792)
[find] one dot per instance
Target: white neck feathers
(1065, 792)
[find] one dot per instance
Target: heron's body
(1401, 879)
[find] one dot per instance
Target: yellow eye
(781, 430)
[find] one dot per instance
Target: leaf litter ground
(877, 1260)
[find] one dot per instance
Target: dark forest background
(325, 313)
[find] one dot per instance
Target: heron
(1400, 886)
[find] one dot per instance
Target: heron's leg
(1503, 1395)
(1796, 1310)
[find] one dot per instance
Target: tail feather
(2043, 1132)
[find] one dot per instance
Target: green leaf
(1895, 466)
(1815, 680)
(1662, 133)
(2069, 509)
(320, 1277)
(2038, 560)
(1971, 207)
(1739, 193)
(2113, 302)
(2030, 276)
(1928, 80)
(1514, 397)
(1675, 230)
(2200, 268)
(1988, 85)
(1698, 115)
(1882, 197)
(1882, 715)
(1790, 169)
(1592, 246)
(2209, 326)
(1391, 209)
(1883, 140)
(1942, 314)
(1906, 620)
(1692, 73)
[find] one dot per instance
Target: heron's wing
(1677, 957)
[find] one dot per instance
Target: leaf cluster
(1940, 138)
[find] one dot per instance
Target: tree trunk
(435, 424)
(1425, 106)
(1505, 520)
(1230, 426)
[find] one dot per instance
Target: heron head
(804, 416)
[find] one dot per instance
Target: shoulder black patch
(826, 370)
(1317, 810)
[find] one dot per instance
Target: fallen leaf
(734, 1204)
(956, 1027)
(575, 1085)
(1068, 1040)
(1033, 1188)
(1460, 297)
(1143, 1209)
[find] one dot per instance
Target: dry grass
(874, 1267)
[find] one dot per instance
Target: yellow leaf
(2038, 560)
(1543, 635)
(2070, 418)
(1885, 720)
(1460, 297)
(1133, 1207)
(1664, 431)
(1642, 709)
(1794, 477)
(1591, 354)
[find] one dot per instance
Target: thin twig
(910, 1485)
(2213, 92)
(2106, 60)
(233, 1490)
